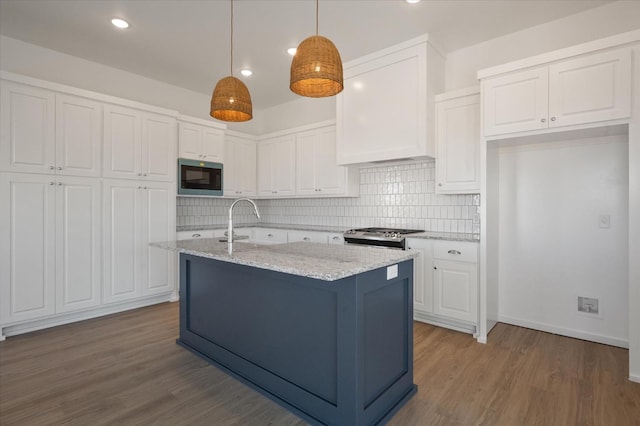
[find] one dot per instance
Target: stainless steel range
(380, 237)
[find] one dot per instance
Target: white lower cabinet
(50, 250)
(446, 283)
(135, 214)
(267, 235)
(455, 280)
(422, 275)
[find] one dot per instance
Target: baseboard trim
(568, 332)
(444, 322)
(634, 378)
(67, 318)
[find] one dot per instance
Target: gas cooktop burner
(385, 237)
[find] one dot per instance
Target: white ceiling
(186, 42)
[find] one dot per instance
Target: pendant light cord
(317, 8)
(231, 65)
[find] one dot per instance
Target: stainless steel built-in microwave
(199, 177)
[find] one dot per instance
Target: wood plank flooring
(126, 369)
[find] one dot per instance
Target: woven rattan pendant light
(231, 100)
(316, 68)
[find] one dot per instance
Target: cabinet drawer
(314, 237)
(265, 235)
(190, 235)
(456, 250)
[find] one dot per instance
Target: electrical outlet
(604, 221)
(588, 305)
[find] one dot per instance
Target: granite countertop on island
(327, 262)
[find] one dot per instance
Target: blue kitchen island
(325, 331)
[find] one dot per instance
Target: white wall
(551, 246)
(28, 59)
(297, 113)
(604, 21)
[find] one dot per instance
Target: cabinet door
(157, 224)
(78, 136)
(122, 211)
(382, 111)
(77, 243)
(190, 141)
(456, 290)
(122, 142)
(422, 275)
(27, 244)
(458, 145)
(306, 163)
(159, 147)
(27, 134)
(266, 164)
(239, 167)
(330, 178)
(246, 165)
(213, 145)
(516, 102)
(284, 166)
(589, 89)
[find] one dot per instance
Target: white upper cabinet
(277, 166)
(385, 111)
(200, 140)
(48, 132)
(593, 88)
(316, 171)
(159, 147)
(516, 102)
(576, 91)
(458, 142)
(139, 145)
(240, 165)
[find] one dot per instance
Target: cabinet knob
(196, 235)
(270, 235)
(440, 184)
(59, 168)
(543, 120)
(336, 238)
(144, 187)
(52, 183)
(139, 174)
(307, 239)
(139, 187)
(59, 183)
(454, 252)
(553, 119)
(144, 174)
(51, 168)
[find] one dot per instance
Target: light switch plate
(604, 221)
(392, 271)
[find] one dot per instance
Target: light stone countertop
(327, 262)
(449, 236)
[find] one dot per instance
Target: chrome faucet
(230, 230)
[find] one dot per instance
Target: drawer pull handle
(196, 235)
(269, 235)
(336, 238)
(454, 252)
(307, 239)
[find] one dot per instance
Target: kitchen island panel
(308, 344)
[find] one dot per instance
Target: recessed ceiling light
(292, 51)
(246, 72)
(120, 23)
(412, 1)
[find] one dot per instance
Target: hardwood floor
(126, 369)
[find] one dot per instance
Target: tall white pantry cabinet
(86, 182)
